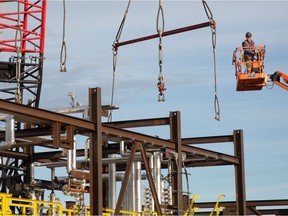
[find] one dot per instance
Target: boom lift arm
(280, 79)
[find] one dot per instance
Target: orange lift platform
(257, 79)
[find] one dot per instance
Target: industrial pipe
(9, 133)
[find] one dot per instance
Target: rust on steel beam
(40, 115)
(32, 115)
(140, 123)
(210, 154)
(240, 173)
(80, 174)
(56, 133)
(29, 132)
(135, 147)
(207, 140)
(150, 179)
(126, 134)
(206, 162)
(68, 142)
(175, 133)
(14, 154)
(95, 148)
(165, 33)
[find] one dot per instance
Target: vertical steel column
(96, 182)
(240, 173)
(175, 133)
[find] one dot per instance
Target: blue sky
(91, 27)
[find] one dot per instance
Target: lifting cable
(160, 23)
(63, 53)
(213, 30)
(19, 56)
(115, 53)
(187, 182)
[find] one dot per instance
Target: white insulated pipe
(71, 157)
(157, 174)
(112, 183)
(138, 178)
(77, 109)
(151, 164)
(170, 181)
(131, 190)
(9, 133)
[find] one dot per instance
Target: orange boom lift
(257, 79)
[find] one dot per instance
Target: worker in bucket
(249, 52)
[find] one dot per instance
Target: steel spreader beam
(165, 33)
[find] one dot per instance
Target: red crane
(22, 37)
(22, 27)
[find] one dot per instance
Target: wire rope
(187, 182)
(63, 52)
(115, 55)
(160, 24)
(213, 31)
(19, 54)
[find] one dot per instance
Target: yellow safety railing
(37, 207)
(217, 208)
(109, 211)
(33, 207)
(191, 210)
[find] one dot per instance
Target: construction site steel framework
(42, 122)
(22, 38)
(21, 76)
(53, 130)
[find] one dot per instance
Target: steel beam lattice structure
(22, 38)
(22, 26)
(54, 124)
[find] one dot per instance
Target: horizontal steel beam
(140, 123)
(41, 116)
(210, 154)
(14, 154)
(165, 33)
(32, 115)
(207, 140)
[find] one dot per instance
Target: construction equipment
(257, 79)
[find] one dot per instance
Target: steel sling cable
(187, 182)
(213, 31)
(63, 53)
(115, 54)
(19, 55)
(160, 23)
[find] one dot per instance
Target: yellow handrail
(36, 206)
(217, 208)
(191, 210)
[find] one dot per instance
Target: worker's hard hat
(248, 35)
